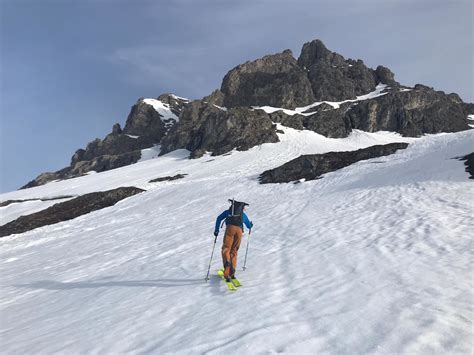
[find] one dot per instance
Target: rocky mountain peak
(316, 51)
(230, 118)
(334, 78)
(274, 80)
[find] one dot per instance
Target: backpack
(236, 213)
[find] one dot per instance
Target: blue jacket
(225, 214)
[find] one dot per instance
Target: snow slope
(373, 258)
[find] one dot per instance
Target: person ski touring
(235, 218)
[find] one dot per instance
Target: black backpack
(236, 213)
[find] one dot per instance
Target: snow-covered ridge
(163, 110)
(379, 91)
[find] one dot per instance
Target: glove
(216, 233)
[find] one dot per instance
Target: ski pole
(210, 261)
(246, 251)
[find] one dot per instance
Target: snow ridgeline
(373, 258)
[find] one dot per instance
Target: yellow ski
(232, 286)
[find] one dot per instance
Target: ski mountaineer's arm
(219, 219)
(247, 222)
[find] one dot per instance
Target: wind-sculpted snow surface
(374, 258)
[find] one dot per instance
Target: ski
(231, 285)
(236, 282)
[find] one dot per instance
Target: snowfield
(374, 258)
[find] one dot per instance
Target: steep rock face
(205, 127)
(311, 167)
(411, 113)
(144, 120)
(112, 144)
(329, 122)
(216, 98)
(274, 80)
(153, 118)
(334, 78)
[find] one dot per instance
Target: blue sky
(70, 69)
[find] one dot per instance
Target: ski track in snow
(373, 258)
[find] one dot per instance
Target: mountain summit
(319, 91)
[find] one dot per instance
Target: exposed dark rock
(104, 163)
(116, 129)
(322, 107)
(469, 163)
(325, 120)
(385, 76)
(274, 80)
(411, 113)
(330, 123)
(44, 178)
(145, 121)
(68, 210)
(204, 127)
(144, 128)
(80, 168)
(334, 78)
(113, 144)
(311, 167)
(292, 121)
(176, 104)
(9, 202)
(216, 98)
(169, 178)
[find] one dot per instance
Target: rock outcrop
(333, 78)
(274, 80)
(469, 163)
(410, 112)
(168, 178)
(204, 127)
(68, 210)
(311, 167)
(145, 127)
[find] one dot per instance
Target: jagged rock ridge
(145, 127)
(225, 119)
